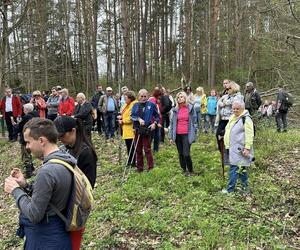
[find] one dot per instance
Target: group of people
(143, 119)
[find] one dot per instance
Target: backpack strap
(54, 208)
(67, 165)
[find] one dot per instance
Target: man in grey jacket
(52, 104)
(38, 221)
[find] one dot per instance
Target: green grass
(163, 209)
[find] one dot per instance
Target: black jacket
(19, 127)
(84, 113)
(95, 99)
(86, 161)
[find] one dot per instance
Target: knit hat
(64, 124)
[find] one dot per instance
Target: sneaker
(224, 191)
(187, 173)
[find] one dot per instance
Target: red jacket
(66, 107)
(16, 106)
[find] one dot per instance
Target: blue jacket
(192, 124)
(212, 105)
(150, 114)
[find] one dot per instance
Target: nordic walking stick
(133, 145)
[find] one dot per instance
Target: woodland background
(79, 43)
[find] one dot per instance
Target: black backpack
(167, 104)
(286, 102)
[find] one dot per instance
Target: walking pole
(131, 147)
(221, 146)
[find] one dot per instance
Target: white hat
(124, 88)
(108, 89)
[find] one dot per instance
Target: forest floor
(163, 209)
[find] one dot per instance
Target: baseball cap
(64, 124)
(124, 88)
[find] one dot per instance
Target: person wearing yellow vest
(127, 125)
(238, 140)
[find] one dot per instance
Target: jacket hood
(61, 155)
(245, 113)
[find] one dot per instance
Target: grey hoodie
(52, 185)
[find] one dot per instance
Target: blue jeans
(109, 123)
(199, 116)
(234, 174)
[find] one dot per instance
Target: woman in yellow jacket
(201, 108)
(127, 125)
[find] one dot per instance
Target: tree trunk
(127, 45)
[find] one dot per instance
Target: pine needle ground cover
(163, 209)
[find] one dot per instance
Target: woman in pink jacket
(39, 103)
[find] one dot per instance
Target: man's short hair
(42, 127)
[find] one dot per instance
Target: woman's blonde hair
(233, 87)
(200, 89)
(65, 91)
(36, 93)
(184, 95)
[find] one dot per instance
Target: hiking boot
(278, 130)
(284, 131)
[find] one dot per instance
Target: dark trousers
(143, 142)
(183, 148)
(109, 123)
(130, 151)
(9, 125)
(27, 161)
(211, 120)
(165, 124)
(220, 133)
(156, 139)
(281, 119)
(52, 117)
(100, 122)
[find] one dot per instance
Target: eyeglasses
(143, 96)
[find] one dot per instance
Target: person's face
(181, 99)
(69, 138)
(237, 110)
(79, 99)
(109, 92)
(54, 92)
(188, 90)
(226, 84)
(143, 97)
(35, 146)
(63, 93)
(99, 88)
(8, 92)
(213, 93)
(127, 100)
